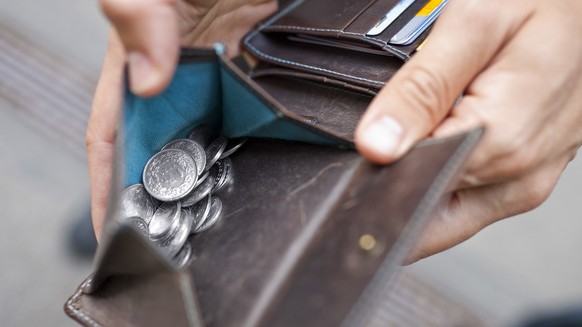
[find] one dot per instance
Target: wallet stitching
(278, 112)
(78, 312)
(284, 61)
(301, 28)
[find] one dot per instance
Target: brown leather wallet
(287, 251)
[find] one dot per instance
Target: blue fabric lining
(200, 93)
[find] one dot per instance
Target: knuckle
(536, 192)
(90, 138)
(425, 91)
(123, 9)
(479, 14)
(519, 162)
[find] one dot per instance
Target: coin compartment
(209, 88)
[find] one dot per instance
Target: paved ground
(516, 267)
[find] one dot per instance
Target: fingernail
(142, 75)
(383, 136)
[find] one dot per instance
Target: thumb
(148, 30)
(423, 91)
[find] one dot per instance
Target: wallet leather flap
(286, 251)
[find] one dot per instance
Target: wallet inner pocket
(359, 68)
(324, 17)
(332, 104)
(209, 89)
(346, 22)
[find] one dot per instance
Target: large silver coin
(165, 220)
(172, 245)
(232, 146)
(213, 216)
(193, 149)
(200, 213)
(215, 150)
(140, 224)
(183, 257)
(136, 202)
(203, 135)
(170, 175)
(225, 168)
(199, 193)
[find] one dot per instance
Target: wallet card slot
(318, 18)
(270, 70)
(323, 17)
(364, 23)
(358, 68)
(330, 104)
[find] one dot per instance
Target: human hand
(519, 66)
(148, 34)
(152, 32)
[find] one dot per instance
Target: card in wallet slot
(344, 22)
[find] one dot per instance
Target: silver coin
(213, 216)
(140, 224)
(183, 257)
(164, 221)
(202, 178)
(203, 135)
(226, 174)
(215, 150)
(200, 213)
(198, 193)
(193, 149)
(232, 146)
(170, 175)
(216, 173)
(172, 245)
(136, 202)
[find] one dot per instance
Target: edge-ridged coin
(213, 216)
(183, 257)
(232, 146)
(172, 245)
(170, 175)
(203, 135)
(136, 202)
(225, 167)
(202, 178)
(200, 213)
(199, 193)
(216, 173)
(164, 221)
(215, 150)
(193, 149)
(140, 224)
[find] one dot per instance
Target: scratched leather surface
(286, 251)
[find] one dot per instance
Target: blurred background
(50, 57)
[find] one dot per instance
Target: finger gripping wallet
(287, 250)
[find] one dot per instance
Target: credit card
(390, 17)
(419, 23)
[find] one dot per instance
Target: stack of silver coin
(177, 199)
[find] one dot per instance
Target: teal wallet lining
(206, 90)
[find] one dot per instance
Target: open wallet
(288, 249)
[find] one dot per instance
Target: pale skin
(518, 64)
